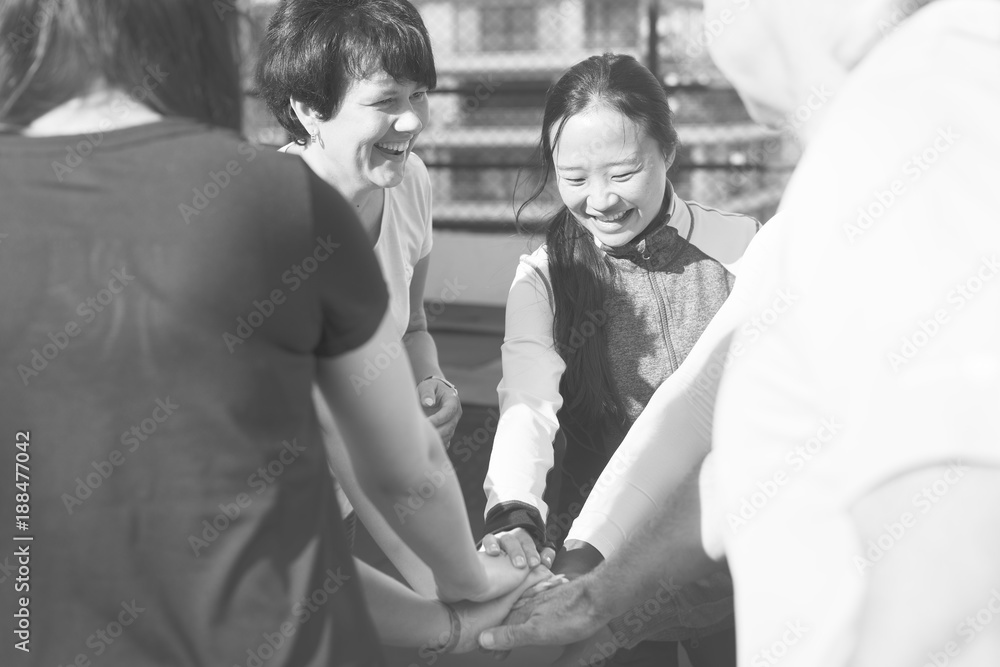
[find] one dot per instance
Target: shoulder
(532, 275)
(722, 235)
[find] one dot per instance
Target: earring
(314, 135)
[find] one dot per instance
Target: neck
(360, 195)
(98, 111)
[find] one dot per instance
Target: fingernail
(519, 561)
(534, 562)
(428, 402)
(485, 639)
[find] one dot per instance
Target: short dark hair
(180, 57)
(313, 49)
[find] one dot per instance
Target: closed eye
(574, 181)
(419, 95)
(623, 177)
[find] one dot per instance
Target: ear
(306, 114)
(670, 157)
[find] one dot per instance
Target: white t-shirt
(404, 239)
(864, 341)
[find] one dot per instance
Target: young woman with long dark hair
(598, 317)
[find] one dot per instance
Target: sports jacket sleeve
(529, 400)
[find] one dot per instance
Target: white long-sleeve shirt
(532, 368)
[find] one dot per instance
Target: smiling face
(612, 174)
(369, 138)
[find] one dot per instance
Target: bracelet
(456, 631)
(441, 380)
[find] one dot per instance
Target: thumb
(425, 391)
(506, 637)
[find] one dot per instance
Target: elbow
(427, 467)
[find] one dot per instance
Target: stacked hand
(548, 613)
(478, 616)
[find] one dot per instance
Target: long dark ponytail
(580, 273)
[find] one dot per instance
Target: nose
(601, 198)
(410, 121)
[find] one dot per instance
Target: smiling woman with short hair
(349, 82)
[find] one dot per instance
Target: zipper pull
(642, 249)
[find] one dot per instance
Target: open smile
(394, 149)
(618, 217)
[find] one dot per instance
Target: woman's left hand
(442, 407)
(478, 616)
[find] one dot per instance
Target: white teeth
(616, 217)
(397, 147)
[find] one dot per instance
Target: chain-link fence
(496, 59)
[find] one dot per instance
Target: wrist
(451, 630)
(443, 381)
(592, 603)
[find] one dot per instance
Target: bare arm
(417, 574)
(439, 401)
(407, 619)
(397, 456)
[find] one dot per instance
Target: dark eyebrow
(626, 162)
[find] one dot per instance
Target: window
(611, 23)
(508, 28)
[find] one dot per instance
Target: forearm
(400, 462)
(423, 354)
(403, 617)
(416, 573)
(429, 517)
(668, 553)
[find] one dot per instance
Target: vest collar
(662, 237)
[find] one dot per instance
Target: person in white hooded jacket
(853, 482)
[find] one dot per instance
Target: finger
(528, 547)
(449, 409)
(512, 546)
(507, 637)
(548, 556)
(491, 546)
(427, 393)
